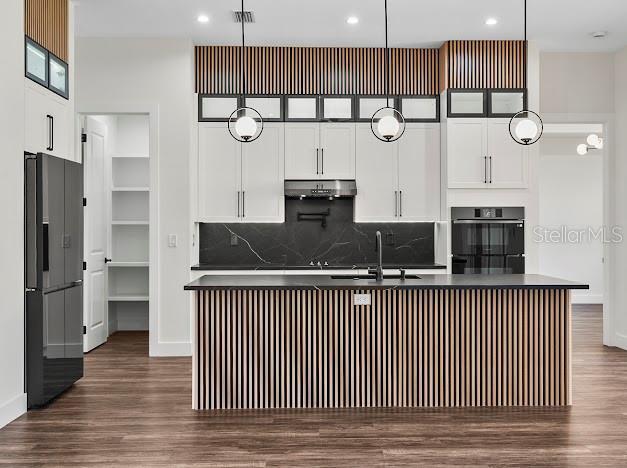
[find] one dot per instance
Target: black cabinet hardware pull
(238, 202)
(400, 203)
(243, 204)
(485, 169)
(322, 161)
(395, 203)
(50, 132)
(490, 169)
(317, 160)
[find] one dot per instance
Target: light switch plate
(361, 299)
(172, 240)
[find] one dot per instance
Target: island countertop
(329, 282)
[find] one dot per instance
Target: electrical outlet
(361, 299)
(389, 239)
(172, 240)
(234, 240)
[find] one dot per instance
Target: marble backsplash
(338, 240)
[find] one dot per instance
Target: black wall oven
(488, 240)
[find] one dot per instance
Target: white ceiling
(557, 25)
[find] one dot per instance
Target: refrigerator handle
(46, 248)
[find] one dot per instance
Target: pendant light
(387, 124)
(245, 123)
(526, 126)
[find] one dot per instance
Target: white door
(377, 178)
(467, 153)
(337, 150)
(94, 170)
(507, 160)
(419, 173)
(219, 159)
(302, 150)
(262, 177)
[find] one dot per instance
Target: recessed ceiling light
(352, 20)
(202, 19)
(491, 21)
(599, 34)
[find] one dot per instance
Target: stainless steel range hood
(320, 188)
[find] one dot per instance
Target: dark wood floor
(130, 410)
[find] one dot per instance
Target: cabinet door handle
(238, 202)
(400, 204)
(50, 132)
(322, 165)
(243, 204)
(395, 203)
(317, 160)
(490, 169)
(485, 169)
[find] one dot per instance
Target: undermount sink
(360, 277)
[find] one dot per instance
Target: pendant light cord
(525, 46)
(243, 81)
(387, 58)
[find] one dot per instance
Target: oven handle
(488, 221)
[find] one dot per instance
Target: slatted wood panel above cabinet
(315, 70)
(432, 348)
(46, 22)
(482, 64)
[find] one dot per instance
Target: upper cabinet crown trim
(316, 70)
(482, 64)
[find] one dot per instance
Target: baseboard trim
(170, 349)
(12, 409)
(620, 341)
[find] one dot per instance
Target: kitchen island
(275, 341)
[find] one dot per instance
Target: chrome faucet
(378, 272)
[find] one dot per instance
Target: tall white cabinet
(482, 154)
(240, 182)
(398, 181)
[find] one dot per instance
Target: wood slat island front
(435, 342)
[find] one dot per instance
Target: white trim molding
(12, 409)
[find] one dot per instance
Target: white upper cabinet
(302, 150)
(467, 153)
(419, 173)
(219, 174)
(377, 178)
(316, 150)
(262, 198)
(337, 151)
(48, 122)
(507, 160)
(240, 182)
(481, 154)
(398, 181)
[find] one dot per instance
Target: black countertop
(310, 282)
(330, 268)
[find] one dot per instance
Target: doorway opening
(571, 202)
(117, 173)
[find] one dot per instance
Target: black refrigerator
(53, 275)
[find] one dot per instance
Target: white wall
(152, 75)
(12, 396)
(571, 195)
(577, 83)
(616, 326)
